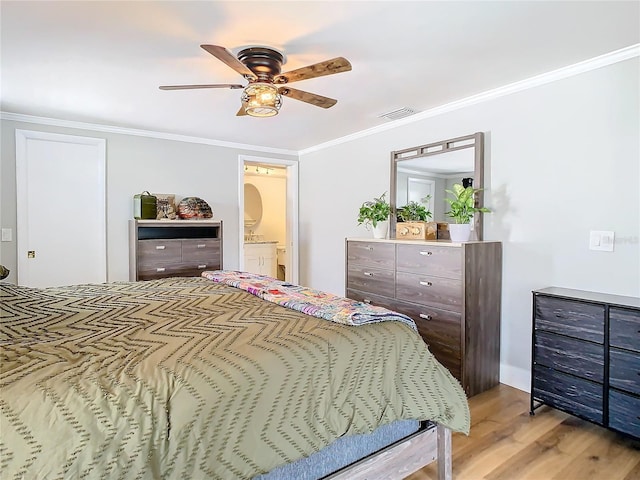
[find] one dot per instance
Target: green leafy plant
(373, 211)
(463, 203)
(414, 212)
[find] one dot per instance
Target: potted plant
(376, 213)
(413, 221)
(463, 208)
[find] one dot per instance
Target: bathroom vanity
(261, 257)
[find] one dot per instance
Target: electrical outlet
(6, 234)
(601, 240)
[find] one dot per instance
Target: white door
(418, 189)
(61, 214)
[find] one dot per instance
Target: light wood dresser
(451, 290)
(586, 356)
(173, 248)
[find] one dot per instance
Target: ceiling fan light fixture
(261, 99)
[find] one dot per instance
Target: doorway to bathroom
(268, 201)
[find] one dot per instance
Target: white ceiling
(102, 62)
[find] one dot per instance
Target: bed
(205, 378)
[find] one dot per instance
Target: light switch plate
(6, 234)
(601, 240)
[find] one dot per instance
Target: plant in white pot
(375, 213)
(463, 209)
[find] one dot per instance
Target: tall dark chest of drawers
(451, 290)
(586, 356)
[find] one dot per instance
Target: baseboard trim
(515, 377)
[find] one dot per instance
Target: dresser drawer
(430, 260)
(624, 328)
(371, 279)
(438, 292)
(624, 370)
(448, 356)
(568, 317)
(441, 330)
(624, 413)
(375, 254)
(577, 357)
(370, 298)
(574, 395)
(148, 272)
(159, 252)
(195, 269)
(197, 250)
(583, 359)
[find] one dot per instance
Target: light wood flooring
(506, 443)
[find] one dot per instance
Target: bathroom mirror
(433, 168)
(252, 205)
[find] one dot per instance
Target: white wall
(134, 164)
(561, 159)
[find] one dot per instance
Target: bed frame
(401, 459)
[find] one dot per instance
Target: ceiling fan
(261, 67)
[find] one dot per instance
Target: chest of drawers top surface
(587, 296)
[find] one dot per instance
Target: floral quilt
(307, 300)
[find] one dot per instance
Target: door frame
(22, 139)
(292, 209)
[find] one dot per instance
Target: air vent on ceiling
(399, 113)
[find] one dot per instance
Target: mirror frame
(474, 141)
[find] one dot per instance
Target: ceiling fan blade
(232, 86)
(312, 98)
(227, 57)
(328, 67)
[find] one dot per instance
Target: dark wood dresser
(586, 356)
(173, 248)
(451, 290)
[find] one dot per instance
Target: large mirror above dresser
(430, 169)
(452, 290)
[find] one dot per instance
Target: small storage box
(144, 206)
(416, 230)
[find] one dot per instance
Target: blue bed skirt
(344, 451)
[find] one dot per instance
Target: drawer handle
(428, 254)
(425, 316)
(368, 274)
(160, 269)
(201, 245)
(202, 266)
(426, 284)
(160, 247)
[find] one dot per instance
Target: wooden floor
(506, 443)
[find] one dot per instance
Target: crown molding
(18, 117)
(542, 79)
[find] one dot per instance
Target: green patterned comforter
(186, 378)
